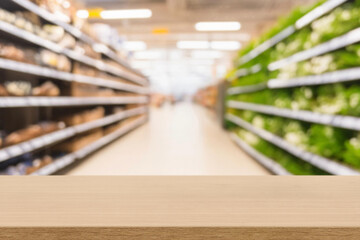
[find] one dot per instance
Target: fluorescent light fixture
(82, 13)
(193, 44)
(149, 55)
(225, 45)
(206, 54)
(135, 46)
(126, 14)
(217, 26)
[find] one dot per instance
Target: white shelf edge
(334, 44)
(318, 12)
(266, 162)
(346, 122)
(300, 23)
(68, 159)
(51, 138)
(246, 89)
(66, 76)
(13, 102)
(325, 164)
(246, 71)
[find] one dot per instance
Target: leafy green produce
(289, 162)
(326, 141)
(341, 98)
(352, 152)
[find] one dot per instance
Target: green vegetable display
(334, 143)
(339, 145)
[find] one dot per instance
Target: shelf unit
(68, 159)
(40, 71)
(135, 101)
(320, 162)
(268, 163)
(41, 42)
(54, 137)
(349, 75)
(26, 4)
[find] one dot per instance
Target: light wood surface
(196, 207)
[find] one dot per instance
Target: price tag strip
(325, 164)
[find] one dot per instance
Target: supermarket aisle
(179, 140)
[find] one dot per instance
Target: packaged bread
(54, 60)
(54, 33)
(18, 88)
(46, 89)
(3, 91)
(31, 132)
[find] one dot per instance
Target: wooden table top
(180, 202)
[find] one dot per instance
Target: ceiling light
(82, 14)
(126, 14)
(217, 26)
(206, 54)
(193, 44)
(135, 45)
(225, 45)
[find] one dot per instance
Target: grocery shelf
(68, 159)
(336, 43)
(268, 163)
(246, 89)
(320, 162)
(43, 13)
(51, 138)
(12, 102)
(302, 22)
(65, 76)
(347, 122)
(346, 75)
(34, 39)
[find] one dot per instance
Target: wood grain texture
(165, 207)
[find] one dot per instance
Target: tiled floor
(183, 139)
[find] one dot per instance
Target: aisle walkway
(183, 139)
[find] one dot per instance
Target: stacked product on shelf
(61, 98)
(294, 96)
(207, 96)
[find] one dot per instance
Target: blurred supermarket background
(179, 87)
